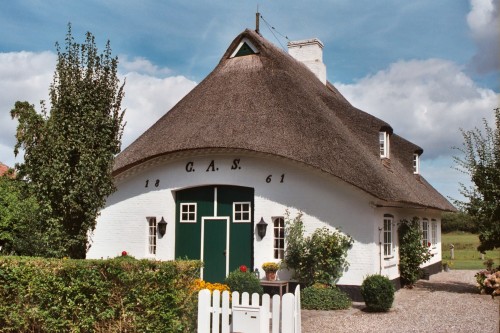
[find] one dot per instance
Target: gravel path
(448, 302)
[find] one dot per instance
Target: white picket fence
(218, 314)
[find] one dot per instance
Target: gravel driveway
(448, 302)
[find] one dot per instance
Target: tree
(320, 257)
(19, 216)
(481, 161)
(69, 151)
(412, 253)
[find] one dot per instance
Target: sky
(429, 68)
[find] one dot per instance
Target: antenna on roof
(257, 16)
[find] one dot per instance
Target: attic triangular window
(244, 48)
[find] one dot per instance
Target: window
(434, 233)
(416, 164)
(425, 232)
(279, 237)
(152, 235)
(384, 144)
(188, 212)
(241, 212)
(388, 236)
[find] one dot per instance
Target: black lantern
(162, 227)
(261, 228)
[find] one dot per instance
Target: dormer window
(416, 164)
(384, 144)
(245, 47)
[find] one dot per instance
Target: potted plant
(270, 268)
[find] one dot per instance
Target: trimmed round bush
(243, 281)
(321, 297)
(378, 293)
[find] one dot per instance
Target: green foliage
(412, 253)
(378, 293)
(457, 221)
(69, 152)
(320, 257)
(322, 297)
(243, 282)
(117, 295)
(19, 219)
(481, 161)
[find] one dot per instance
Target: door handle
(224, 253)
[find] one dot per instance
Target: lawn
(466, 254)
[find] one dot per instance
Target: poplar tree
(69, 150)
(481, 161)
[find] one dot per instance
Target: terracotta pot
(270, 276)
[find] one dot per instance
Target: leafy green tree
(412, 253)
(69, 151)
(318, 258)
(19, 219)
(481, 161)
(457, 221)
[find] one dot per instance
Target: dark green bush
(117, 295)
(378, 293)
(321, 297)
(243, 282)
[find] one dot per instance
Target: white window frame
(278, 237)
(188, 204)
(425, 232)
(388, 236)
(416, 164)
(152, 232)
(242, 211)
(434, 233)
(384, 144)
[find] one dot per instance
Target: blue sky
(427, 67)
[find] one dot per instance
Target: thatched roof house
(262, 134)
(270, 103)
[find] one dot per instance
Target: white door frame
(226, 218)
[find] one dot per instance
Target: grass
(466, 254)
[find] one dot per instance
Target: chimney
(310, 53)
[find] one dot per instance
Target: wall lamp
(162, 227)
(261, 228)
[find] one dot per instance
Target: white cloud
(148, 98)
(484, 23)
(141, 65)
(425, 101)
(26, 76)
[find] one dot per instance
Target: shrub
(324, 297)
(378, 293)
(200, 284)
(320, 257)
(243, 282)
(412, 253)
(488, 280)
(116, 295)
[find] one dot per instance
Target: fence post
(297, 311)
(204, 309)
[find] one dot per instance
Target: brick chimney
(310, 53)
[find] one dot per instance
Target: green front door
(215, 224)
(215, 251)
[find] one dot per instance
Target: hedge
(115, 295)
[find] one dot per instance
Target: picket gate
(217, 313)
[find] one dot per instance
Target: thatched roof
(272, 104)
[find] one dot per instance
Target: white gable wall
(324, 200)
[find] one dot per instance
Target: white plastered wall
(324, 200)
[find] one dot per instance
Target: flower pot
(271, 276)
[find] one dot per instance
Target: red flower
(429, 244)
(124, 253)
(243, 268)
